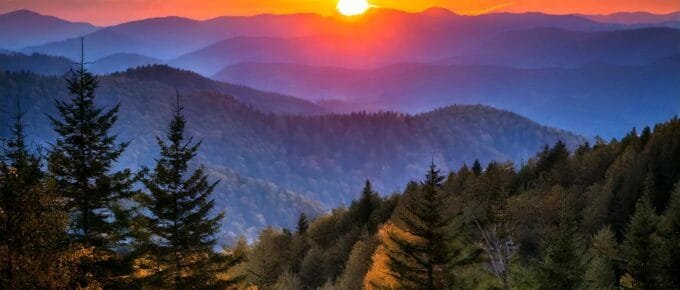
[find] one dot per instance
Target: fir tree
(669, 232)
(561, 264)
(32, 218)
(364, 207)
(179, 214)
(81, 161)
(603, 254)
(477, 168)
(640, 245)
(302, 224)
(420, 251)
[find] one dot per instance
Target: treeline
(69, 220)
(606, 216)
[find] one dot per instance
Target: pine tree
(302, 224)
(477, 168)
(669, 232)
(364, 207)
(32, 218)
(561, 265)
(178, 214)
(640, 245)
(81, 161)
(420, 251)
(603, 254)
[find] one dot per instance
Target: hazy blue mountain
(121, 62)
(169, 37)
(274, 166)
(187, 81)
(573, 99)
(23, 28)
(37, 63)
(182, 80)
(550, 47)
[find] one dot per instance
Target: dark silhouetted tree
(178, 215)
(32, 218)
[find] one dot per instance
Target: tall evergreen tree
(32, 218)
(669, 233)
(81, 161)
(640, 245)
(302, 224)
(561, 265)
(603, 256)
(364, 207)
(477, 168)
(420, 251)
(178, 214)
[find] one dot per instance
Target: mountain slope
(184, 81)
(37, 63)
(573, 99)
(289, 162)
(121, 62)
(23, 28)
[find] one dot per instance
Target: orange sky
(106, 12)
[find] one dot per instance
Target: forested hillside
(299, 162)
(604, 216)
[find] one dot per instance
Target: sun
(353, 7)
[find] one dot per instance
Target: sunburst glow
(353, 7)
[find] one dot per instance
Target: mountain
(37, 63)
(420, 36)
(632, 18)
(589, 99)
(169, 37)
(23, 28)
(121, 62)
(185, 81)
(550, 47)
(274, 166)
(380, 37)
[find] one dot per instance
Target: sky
(108, 12)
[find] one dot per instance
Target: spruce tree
(178, 214)
(561, 264)
(420, 249)
(81, 161)
(477, 168)
(32, 218)
(640, 245)
(669, 233)
(364, 207)
(302, 224)
(603, 256)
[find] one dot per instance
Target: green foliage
(32, 218)
(177, 215)
(603, 258)
(81, 161)
(561, 265)
(422, 255)
(669, 232)
(640, 246)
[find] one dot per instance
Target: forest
(602, 216)
(274, 164)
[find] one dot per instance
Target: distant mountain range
(274, 166)
(590, 99)
(24, 28)
(633, 18)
